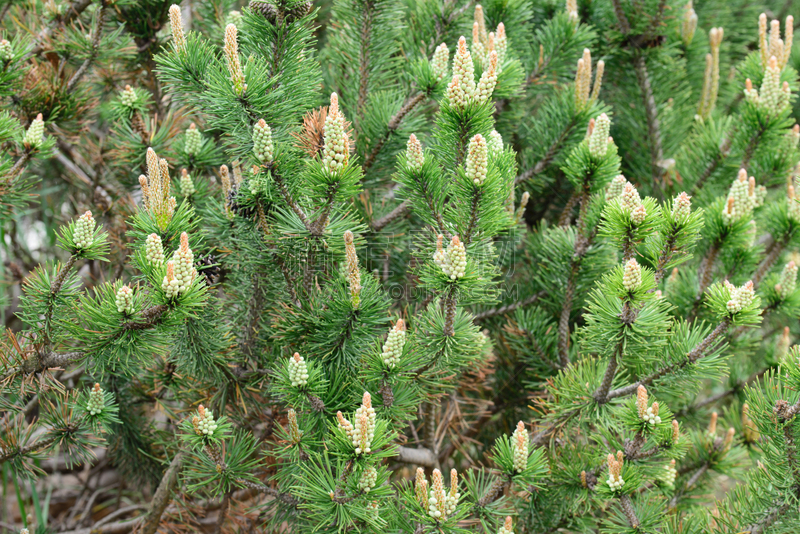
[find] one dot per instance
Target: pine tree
(320, 256)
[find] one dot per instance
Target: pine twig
(700, 351)
(581, 244)
(449, 315)
(421, 456)
(714, 164)
(473, 216)
(223, 511)
(163, 495)
(601, 395)
(396, 213)
(72, 12)
(50, 360)
(98, 33)
(704, 276)
(497, 488)
(287, 197)
(566, 216)
(719, 396)
(772, 256)
(391, 127)
(651, 114)
(501, 310)
(627, 508)
(33, 447)
(363, 59)
(548, 157)
(285, 498)
(666, 254)
(18, 166)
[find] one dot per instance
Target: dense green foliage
(550, 248)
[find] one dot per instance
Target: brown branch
(399, 211)
(363, 60)
(286, 498)
(581, 245)
(422, 456)
(223, 511)
(151, 316)
(394, 124)
(566, 216)
(624, 25)
(163, 495)
(666, 254)
(473, 216)
(509, 307)
(449, 314)
(704, 275)
(33, 447)
(627, 508)
(772, 256)
(714, 163)
(697, 353)
(651, 114)
(719, 396)
(497, 488)
(601, 395)
(278, 177)
(551, 153)
(761, 526)
(18, 166)
(72, 12)
(98, 33)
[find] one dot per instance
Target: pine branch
(443, 22)
(421, 456)
(98, 33)
(223, 511)
(763, 524)
(772, 256)
(666, 254)
(18, 166)
(391, 127)
(581, 245)
(497, 489)
(704, 275)
(548, 157)
(719, 396)
(700, 351)
(151, 317)
(566, 216)
(163, 495)
(50, 360)
(473, 216)
(627, 508)
(363, 59)
(601, 395)
(32, 448)
(396, 213)
(714, 163)
(72, 12)
(752, 144)
(501, 310)
(279, 181)
(318, 226)
(449, 313)
(651, 114)
(622, 19)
